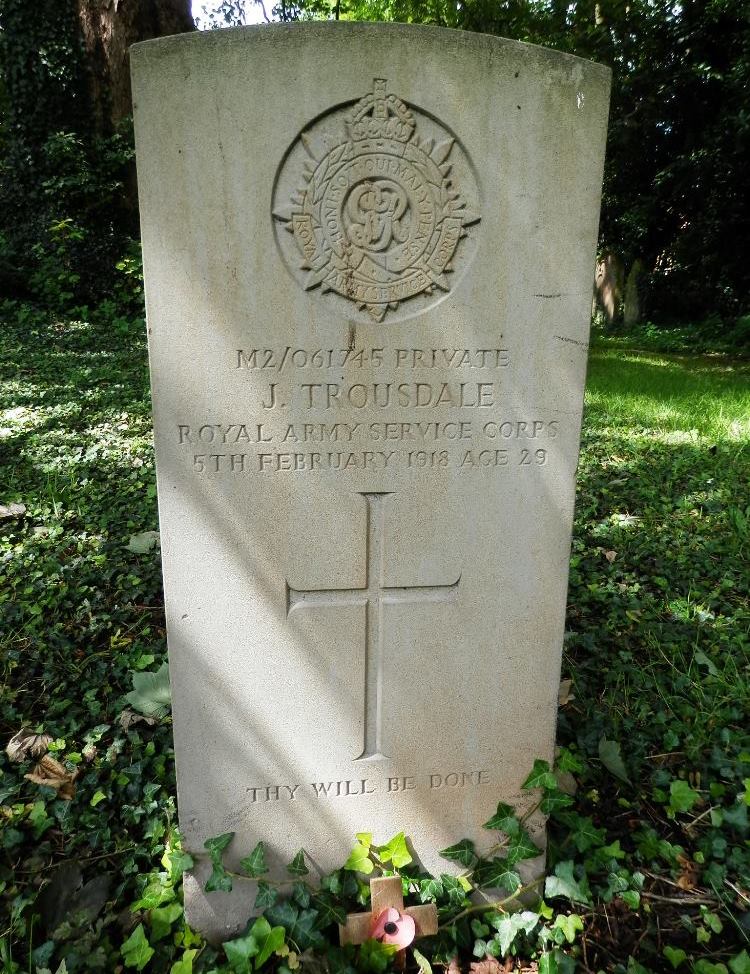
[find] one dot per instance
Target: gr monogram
(380, 218)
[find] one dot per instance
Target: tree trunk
(632, 312)
(610, 278)
(108, 28)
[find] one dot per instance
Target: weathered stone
(368, 254)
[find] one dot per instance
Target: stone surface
(368, 255)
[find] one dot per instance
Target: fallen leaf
(564, 696)
(51, 774)
(129, 717)
(610, 556)
(688, 878)
(453, 967)
(490, 965)
(26, 743)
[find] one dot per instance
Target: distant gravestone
(368, 254)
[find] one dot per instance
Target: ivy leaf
(162, 919)
(509, 925)
(454, 890)
(151, 695)
(299, 924)
(297, 866)
(504, 820)
(564, 883)
(178, 862)
(423, 965)
(568, 925)
(676, 956)
(136, 951)
(375, 957)
(359, 860)
(185, 964)
(395, 852)
(301, 894)
(497, 873)
(330, 911)
(255, 863)
(521, 847)
(739, 964)
(141, 544)
(541, 777)
(462, 852)
(219, 880)
(266, 897)
(553, 801)
(611, 758)
(240, 952)
(364, 838)
(268, 939)
(430, 889)
(681, 796)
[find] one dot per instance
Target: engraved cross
(374, 596)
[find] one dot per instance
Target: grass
(655, 725)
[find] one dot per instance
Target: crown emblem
(379, 218)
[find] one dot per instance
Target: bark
(108, 28)
(609, 284)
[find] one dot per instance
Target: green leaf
(219, 880)
(330, 911)
(299, 924)
(268, 939)
(254, 864)
(240, 952)
(375, 957)
(541, 777)
(553, 801)
(509, 925)
(396, 852)
(462, 852)
(676, 956)
(266, 897)
(564, 883)
(144, 542)
(609, 755)
(364, 838)
(520, 847)
(136, 951)
(297, 866)
(423, 965)
(150, 695)
(631, 898)
(162, 919)
(504, 820)
(681, 796)
(179, 861)
(430, 889)
(97, 797)
(359, 860)
(569, 925)
(185, 964)
(703, 966)
(496, 873)
(740, 963)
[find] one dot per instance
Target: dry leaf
(51, 774)
(688, 878)
(129, 717)
(454, 967)
(564, 695)
(26, 743)
(610, 556)
(490, 965)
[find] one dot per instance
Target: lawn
(654, 724)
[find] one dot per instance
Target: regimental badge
(379, 217)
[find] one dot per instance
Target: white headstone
(368, 254)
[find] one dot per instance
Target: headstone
(368, 253)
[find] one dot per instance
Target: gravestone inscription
(368, 254)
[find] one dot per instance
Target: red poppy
(392, 927)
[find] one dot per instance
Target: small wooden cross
(386, 893)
